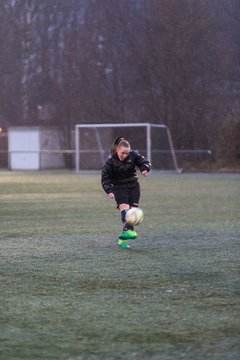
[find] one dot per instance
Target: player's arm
(143, 164)
(106, 180)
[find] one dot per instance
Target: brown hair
(124, 143)
(120, 141)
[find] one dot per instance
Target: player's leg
(128, 230)
(124, 209)
(123, 237)
(122, 199)
(134, 197)
(131, 195)
(134, 194)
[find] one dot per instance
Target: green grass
(67, 292)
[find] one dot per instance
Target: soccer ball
(134, 216)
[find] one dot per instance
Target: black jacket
(117, 172)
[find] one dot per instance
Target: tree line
(161, 61)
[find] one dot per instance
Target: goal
(93, 143)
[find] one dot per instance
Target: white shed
(34, 148)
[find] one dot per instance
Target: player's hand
(144, 173)
(111, 195)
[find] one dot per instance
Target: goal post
(93, 143)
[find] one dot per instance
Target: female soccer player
(120, 182)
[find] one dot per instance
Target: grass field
(67, 292)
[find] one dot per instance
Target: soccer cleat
(128, 235)
(123, 244)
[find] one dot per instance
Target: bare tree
(22, 16)
(108, 60)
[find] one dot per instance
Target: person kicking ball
(120, 181)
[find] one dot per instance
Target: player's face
(122, 152)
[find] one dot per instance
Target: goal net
(93, 143)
